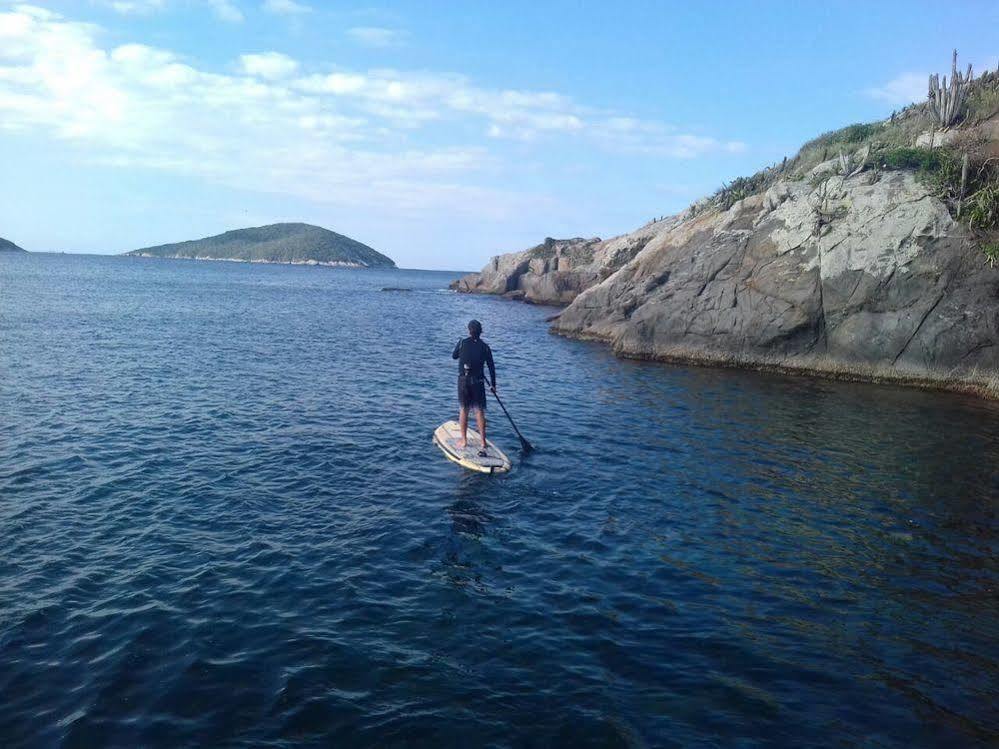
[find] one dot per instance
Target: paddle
(523, 441)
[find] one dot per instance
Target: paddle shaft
(523, 441)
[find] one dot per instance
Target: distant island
(295, 244)
(8, 246)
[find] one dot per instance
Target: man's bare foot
(461, 444)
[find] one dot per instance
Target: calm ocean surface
(223, 523)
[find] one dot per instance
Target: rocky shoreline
(849, 269)
(327, 264)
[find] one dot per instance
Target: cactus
(849, 166)
(844, 163)
(946, 100)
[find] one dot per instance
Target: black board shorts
(472, 392)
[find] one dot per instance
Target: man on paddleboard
(472, 354)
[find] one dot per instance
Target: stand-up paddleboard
(447, 436)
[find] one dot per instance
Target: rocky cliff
(855, 265)
(853, 276)
(554, 272)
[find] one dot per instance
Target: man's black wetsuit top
(473, 353)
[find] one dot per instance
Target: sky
(440, 133)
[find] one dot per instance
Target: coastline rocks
(863, 277)
(263, 261)
(854, 275)
(553, 272)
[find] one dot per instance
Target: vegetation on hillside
(276, 243)
(964, 173)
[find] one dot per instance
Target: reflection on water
(225, 524)
(467, 518)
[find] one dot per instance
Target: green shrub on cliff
(900, 130)
(938, 168)
(971, 194)
(923, 160)
(976, 201)
(743, 187)
(983, 99)
(983, 208)
(856, 134)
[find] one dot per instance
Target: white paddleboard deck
(447, 436)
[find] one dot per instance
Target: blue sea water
(223, 523)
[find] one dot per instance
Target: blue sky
(438, 133)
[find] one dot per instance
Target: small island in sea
(7, 246)
(295, 244)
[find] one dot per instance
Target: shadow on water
(468, 516)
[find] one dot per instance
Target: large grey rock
(557, 270)
(861, 274)
(937, 138)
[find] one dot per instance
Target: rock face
(8, 246)
(845, 260)
(862, 276)
(555, 271)
(867, 274)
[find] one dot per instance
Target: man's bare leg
(480, 419)
(463, 423)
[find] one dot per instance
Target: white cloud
(130, 7)
(346, 137)
(632, 135)
(907, 88)
(411, 98)
(226, 10)
(269, 65)
(375, 36)
(138, 106)
(286, 7)
(900, 91)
